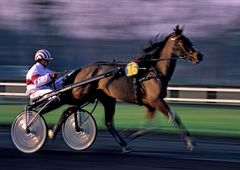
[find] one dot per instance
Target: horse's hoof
(126, 150)
(189, 143)
(190, 147)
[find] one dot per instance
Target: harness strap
(146, 77)
(137, 90)
(137, 82)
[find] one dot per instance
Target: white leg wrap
(171, 117)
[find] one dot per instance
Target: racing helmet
(43, 54)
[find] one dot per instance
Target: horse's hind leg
(109, 104)
(162, 106)
(52, 133)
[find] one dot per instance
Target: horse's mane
(157, 44)
(151, 51)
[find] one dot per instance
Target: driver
(40, 80)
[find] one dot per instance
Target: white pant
(40, 92)
(57, 85)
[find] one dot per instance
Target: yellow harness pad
(131, 69)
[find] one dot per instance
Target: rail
(214, 98)
(176, 94)
(12, 93)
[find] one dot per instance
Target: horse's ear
(178, 30)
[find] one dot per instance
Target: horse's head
(183, 48)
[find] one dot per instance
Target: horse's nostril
(199, 56)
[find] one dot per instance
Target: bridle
(184, 53)
(181, 49)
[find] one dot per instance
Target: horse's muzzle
(198, 57)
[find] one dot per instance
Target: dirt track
(150, 152)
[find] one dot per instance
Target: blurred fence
(15, 93)
(12, 92)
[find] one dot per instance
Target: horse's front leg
(162, 106)
(147, 124)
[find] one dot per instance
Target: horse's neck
(166, 68)
(166, 65)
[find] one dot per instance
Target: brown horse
(148, 88)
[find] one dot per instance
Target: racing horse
(147, 88)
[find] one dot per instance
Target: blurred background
(78, 32)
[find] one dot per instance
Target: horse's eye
(181, 42)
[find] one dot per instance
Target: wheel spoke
(83, 139)
(32, 139)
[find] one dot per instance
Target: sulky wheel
(31, 139)
(83, 135)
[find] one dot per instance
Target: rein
(162, 59)
(183, 51)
